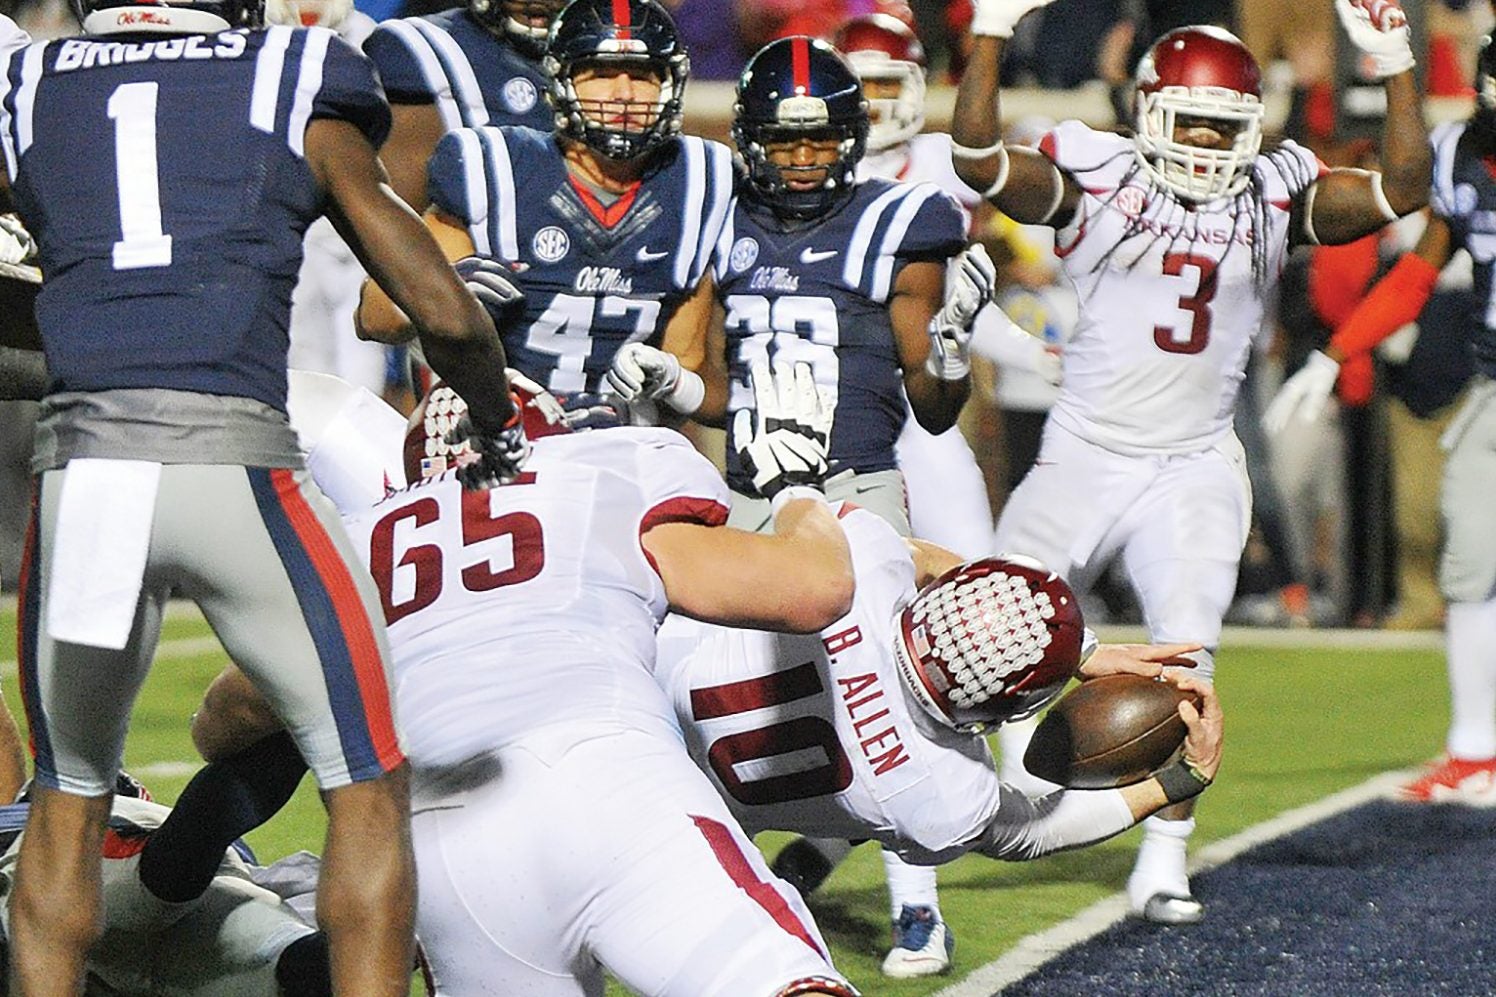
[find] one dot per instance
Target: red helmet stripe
(800, 63)
(621, 18)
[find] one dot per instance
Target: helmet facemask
(773, 182)
(1193, 172)
(988, 642)
(586, 120)
(892, 120)
(515, 20)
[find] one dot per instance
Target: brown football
(1107, 732)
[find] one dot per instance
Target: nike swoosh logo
(808, 255)
(645, 256)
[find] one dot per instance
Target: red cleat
(1455, 780)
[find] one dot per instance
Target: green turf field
(1301, 723)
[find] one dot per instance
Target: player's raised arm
(1346, 204)
(1021, 182)
(798, 579)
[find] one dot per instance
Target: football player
(848, 277)
(891, 702)
(471, 65)
(522, 622)
(607, 226)
(187, 912)
(1462, 201)
(1174, 238)
(165, 463)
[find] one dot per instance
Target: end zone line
(1034, 950)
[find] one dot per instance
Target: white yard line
(1035, 950)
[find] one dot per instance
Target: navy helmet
(526, 23)
(627, 33)
(792, 88)
(116, 17)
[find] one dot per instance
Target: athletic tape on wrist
(1181, 781)
(688, 394)
(790, 493)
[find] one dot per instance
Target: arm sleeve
(1026, 829)
(1393, 303)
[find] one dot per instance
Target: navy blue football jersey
(473, 76)
(594, 276)
(1464, 193)
(166, 184)
(820, 294)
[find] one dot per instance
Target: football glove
(1379, 28)
(643, 372)
(16, 244)
(491, 283)
(996, 18)
(1302, 395)
(783, 442)
(496, 457)
(969, 286)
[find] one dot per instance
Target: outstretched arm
(1027, 829)
(1022, 183)
(1346, 204)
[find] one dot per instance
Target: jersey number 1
(132, 108)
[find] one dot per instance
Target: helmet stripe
(621, 18)
(800, 63)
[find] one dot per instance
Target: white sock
(909, 884)
(1012, 741)
(1470, 637)
(1161, 857)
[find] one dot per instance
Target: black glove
(499, 455)
(491, 283)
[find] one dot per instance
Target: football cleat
(1167, 908)
(1455, 780)
(922, 944)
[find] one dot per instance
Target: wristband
(688, 394)
(790, 493)
(1181, 781)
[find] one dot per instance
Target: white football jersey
(814, 733)
(924, 158)
(1171, 295)
(533, 603)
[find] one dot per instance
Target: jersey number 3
(1169, 338)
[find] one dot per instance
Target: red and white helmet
(308, 13)
(989, 641)
(1200, 72)
(881, 46)
(427, 451)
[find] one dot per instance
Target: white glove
(996, 18)
(969, 285)
(784, 441)
(16, 244)
(640, 372)
(1304, 394)
(1379, 28)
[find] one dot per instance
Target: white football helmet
(880, 46)
(308, 13)
(1206, 73)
